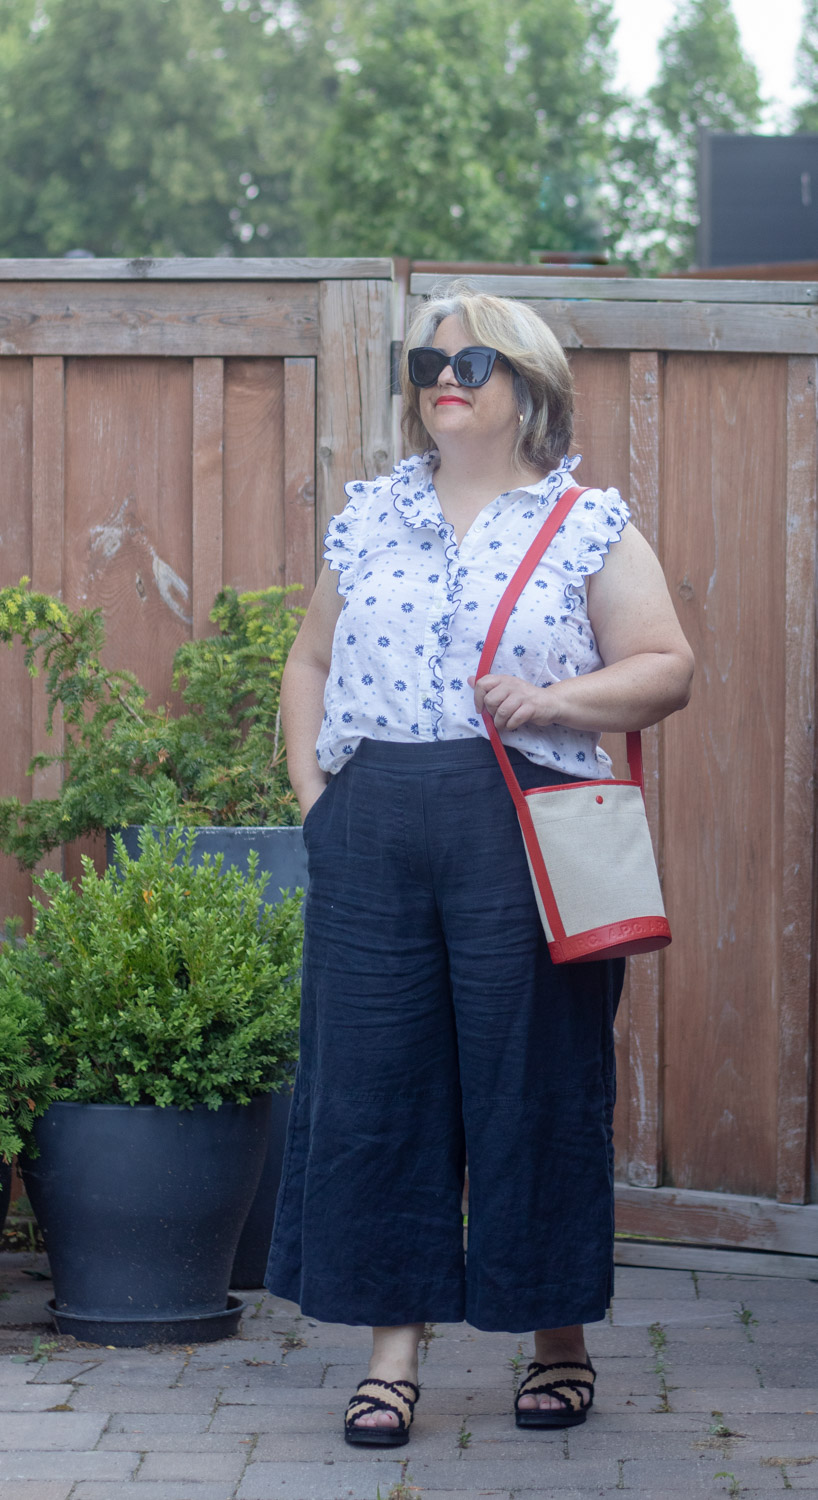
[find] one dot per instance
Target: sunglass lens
(473, 366)
(425, 365)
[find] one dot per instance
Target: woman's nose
(447, 376)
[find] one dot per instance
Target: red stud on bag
(594, 872)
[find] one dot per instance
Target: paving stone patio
(707, 1386)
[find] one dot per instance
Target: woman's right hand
(309, 796)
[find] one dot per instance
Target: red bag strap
(498, 624)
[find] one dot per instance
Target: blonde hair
(543, 385)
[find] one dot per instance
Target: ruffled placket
(415, 499)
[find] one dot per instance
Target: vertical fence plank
(208, 488)
(253, 501)
(47, 512)
(799, 784)
(354, 428)
(15, 562)
(302, 559)
(644, 1029)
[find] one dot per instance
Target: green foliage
(221, 763)
(806, 71)
(27, 1063)
(466, 131)
(199, 127)
(124, 127)
(160, 982)
(705, 81)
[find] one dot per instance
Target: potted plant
(168, 1007)
(217, 767)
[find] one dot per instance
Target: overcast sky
(769, 32)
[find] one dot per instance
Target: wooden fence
(168, 427)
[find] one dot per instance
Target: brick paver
(699, 1377)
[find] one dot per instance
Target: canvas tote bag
(588, 843)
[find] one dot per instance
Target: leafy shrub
(161, 982)
(223, 761)
(27, 1064)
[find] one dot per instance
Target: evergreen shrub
(221, 763)
(159, 982)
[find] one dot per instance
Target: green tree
(705, 82)
(465, 130)
(806, 71)
(153, 127)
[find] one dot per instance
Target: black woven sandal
(368, 1398)
(564, 1381)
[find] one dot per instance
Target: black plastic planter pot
(281, 852)
(283, 858)
(141, 1210)
(253, 1250)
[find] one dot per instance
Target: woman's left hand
(510, 701)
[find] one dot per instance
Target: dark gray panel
(758, 199)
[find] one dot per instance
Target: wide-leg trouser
(434, 1025)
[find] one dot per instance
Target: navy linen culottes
(435, 1027)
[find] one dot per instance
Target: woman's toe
(377, 1419)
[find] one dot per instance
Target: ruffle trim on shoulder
(342, 543)
(597, 520)
(413, 491)
(554, 484)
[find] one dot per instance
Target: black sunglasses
(471, 367)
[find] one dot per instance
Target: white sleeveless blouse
(417, 608)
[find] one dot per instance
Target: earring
(520, 420)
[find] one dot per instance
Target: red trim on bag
(636, 935)
(571, 786)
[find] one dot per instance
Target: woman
(434, 1025)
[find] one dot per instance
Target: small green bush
(27, 1064)
(159, 982)
(222, 762)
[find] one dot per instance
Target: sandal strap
(368, 1398)
(565, 1383)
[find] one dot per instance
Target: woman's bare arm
(302, 690)
(648, 664)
